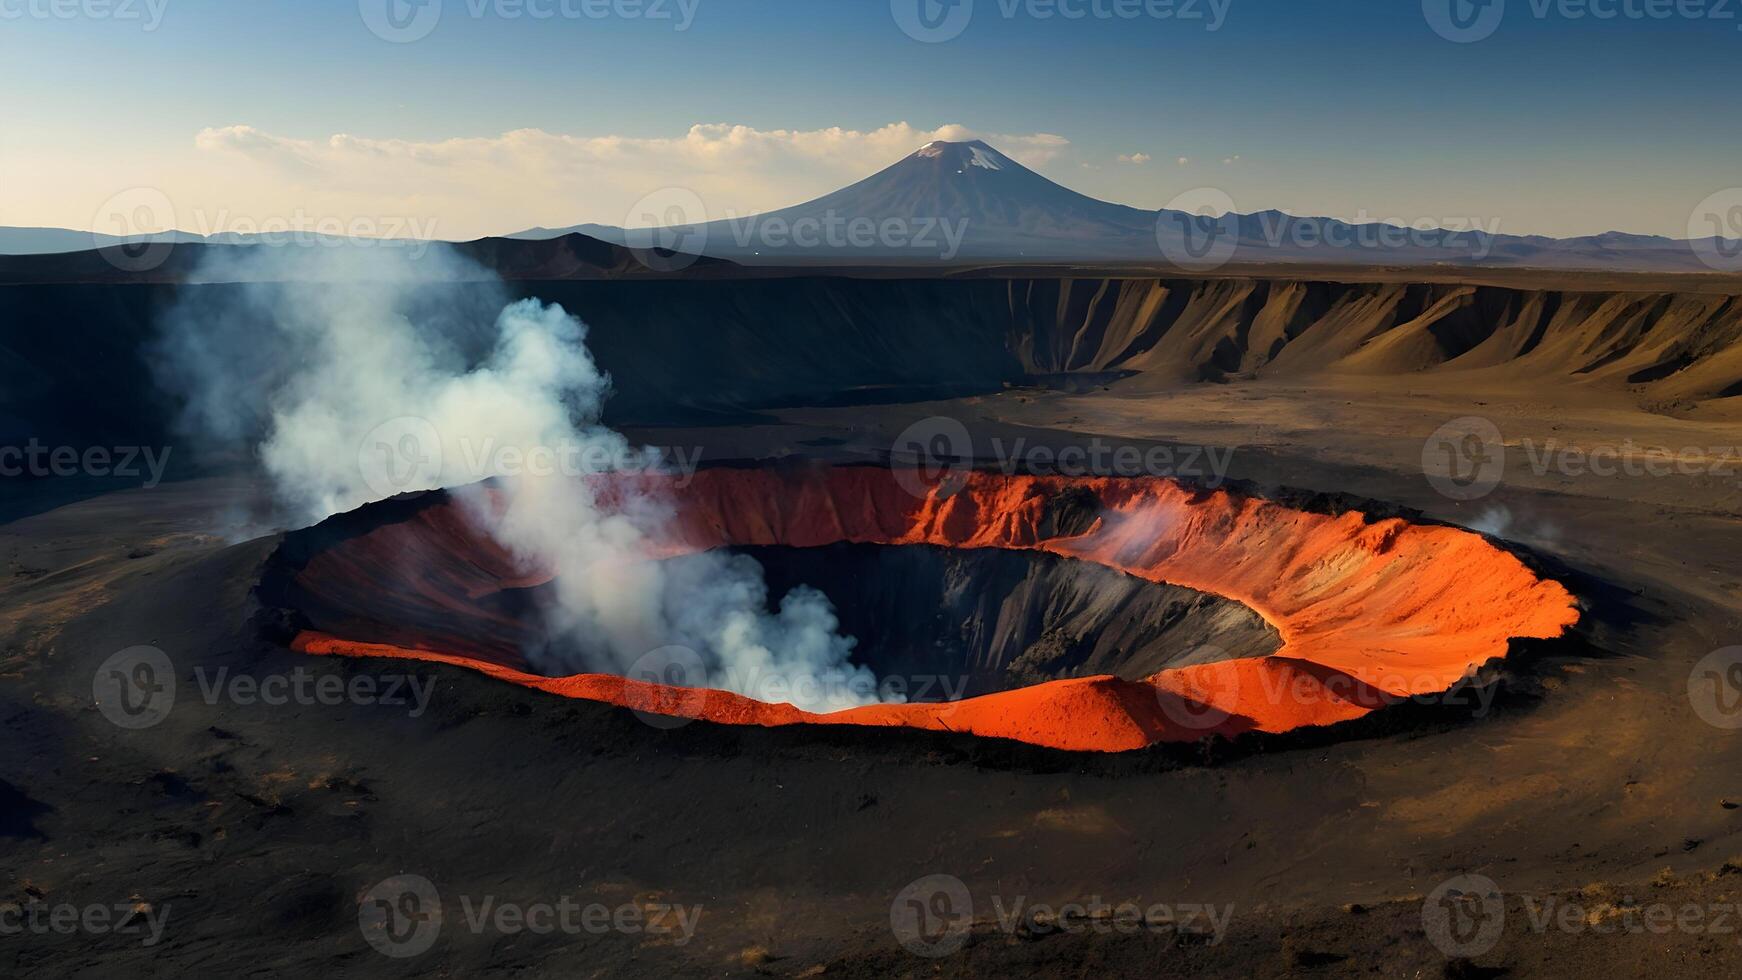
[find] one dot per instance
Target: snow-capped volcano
(978, 155)
(964, 201)
(1003, 207)
(948, 200)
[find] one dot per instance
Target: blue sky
(1556, 123)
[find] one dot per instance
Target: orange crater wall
(1369, 611)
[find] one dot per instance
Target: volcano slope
(705, 348)
(1368, 612)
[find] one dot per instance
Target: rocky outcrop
(683, 351)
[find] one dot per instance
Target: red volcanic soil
(1369, 611)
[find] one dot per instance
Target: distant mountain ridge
(53, 241)
(964, 202)
(570, 257)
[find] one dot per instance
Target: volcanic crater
(1089, 614)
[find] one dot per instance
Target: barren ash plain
(1335, 812)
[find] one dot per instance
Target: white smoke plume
(316, 358)
(1498, 521)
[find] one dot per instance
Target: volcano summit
(967, 202)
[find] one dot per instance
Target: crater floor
(1367, 611)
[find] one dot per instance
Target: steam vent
(1100, 614)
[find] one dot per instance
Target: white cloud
(498, 184)
(1138, 158)
(1184, 160)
